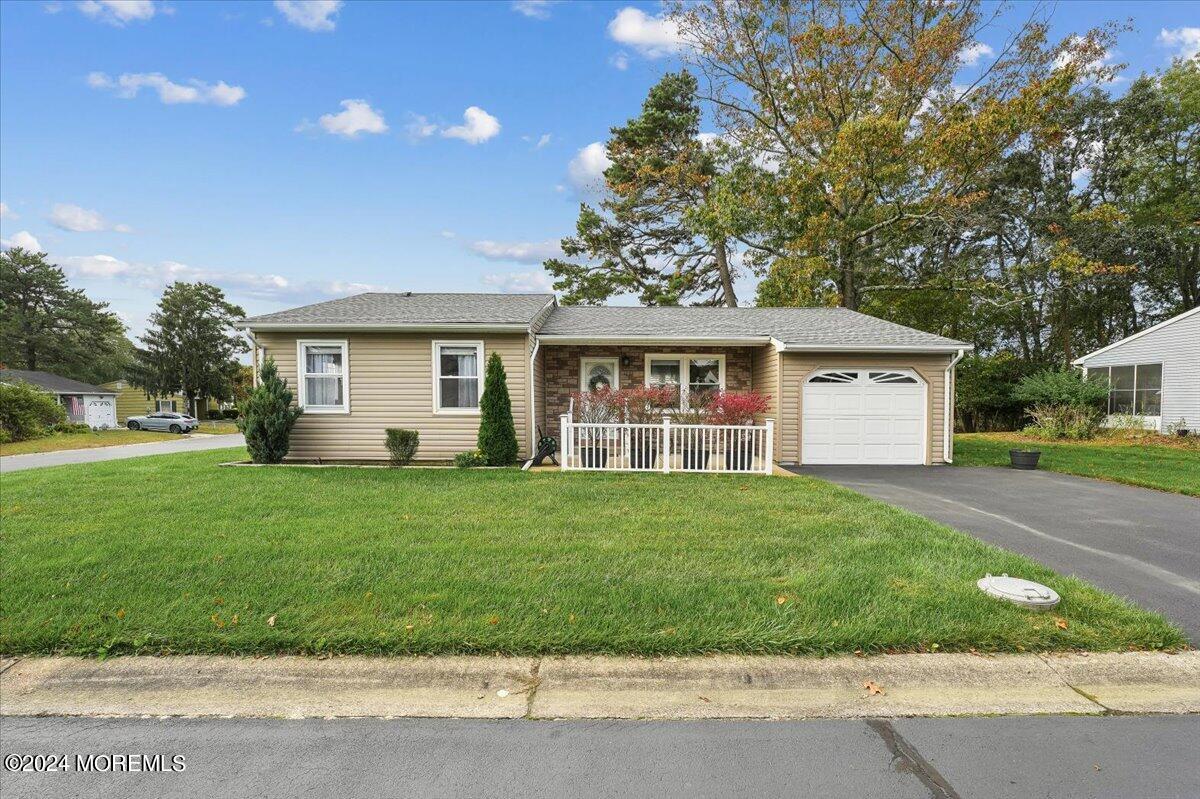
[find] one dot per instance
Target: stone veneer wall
(561, 373)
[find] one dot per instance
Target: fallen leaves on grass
(779, 600)
(494, 620)
(271, 620)
(1060, 622)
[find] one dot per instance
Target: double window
(1135, 390)
(457, 376)
(324, 376)
(695, 376)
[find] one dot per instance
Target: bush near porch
(390, 561)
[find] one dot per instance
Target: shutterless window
(458, 377)
(1135, 389)
(324, 376)
(694, 375)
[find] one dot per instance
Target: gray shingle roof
(800, 327)
(383, 309)
(54, 383)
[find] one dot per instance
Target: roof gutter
(934, 348)
(948, 407)
(298, 327)
(732, 341)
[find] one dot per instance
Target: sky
(293, 152)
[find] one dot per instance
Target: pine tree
(267, 416)
(497, 434)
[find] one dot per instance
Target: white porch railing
(667, 447)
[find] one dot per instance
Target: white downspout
(533, 398)
(948, 407)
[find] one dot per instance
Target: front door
(597, 373)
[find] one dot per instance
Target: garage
(864, 416)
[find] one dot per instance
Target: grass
(480, 561)
(217, 426)
(1158, 462)
(89, 440)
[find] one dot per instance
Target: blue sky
(293, 152)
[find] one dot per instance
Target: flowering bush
(645, 404)
(736, 407)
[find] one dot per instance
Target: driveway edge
(603, 687)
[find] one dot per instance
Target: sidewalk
(193, 443)
(602, 687)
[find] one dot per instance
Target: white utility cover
(1021, 592)
(863, 416)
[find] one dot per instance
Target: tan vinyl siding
(796, 366)
(391, 385)
(764, 379)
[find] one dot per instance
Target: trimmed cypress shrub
(497, 433)
(402, 444)
(267, 417)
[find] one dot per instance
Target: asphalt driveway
(193, 443)
(1135, 542)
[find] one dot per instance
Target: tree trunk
(849, 289)
(722, 254)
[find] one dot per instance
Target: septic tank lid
(1021, 592)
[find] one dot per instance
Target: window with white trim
(165, 405)
(1134, 389)
(693, 375)
(457, 376)
(324, 376)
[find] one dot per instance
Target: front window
(458, 379)
(166, 405)
(704, 374)
(1133, 390)
(324, 369)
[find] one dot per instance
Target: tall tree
(864, 136)
(46, 325)
(657, 232)
(190, 346)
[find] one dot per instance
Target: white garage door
(863, 416)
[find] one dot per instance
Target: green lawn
(1168, 468)
(88, 440)
(174, 554)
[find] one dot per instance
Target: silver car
(163, 420)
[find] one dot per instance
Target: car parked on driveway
(164, 420)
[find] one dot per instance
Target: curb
(603, 687)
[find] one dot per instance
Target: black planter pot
(740, 458)
(593, 457)
(1182, 432)
(695, 459)
(642, 457)
(1022, 459)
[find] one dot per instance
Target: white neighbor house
(85, 404)
(1154, 374)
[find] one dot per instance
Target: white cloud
(312, 15)
(23, 239)
(81, 220)
(973, 53)
(586, 169)
(619, 60)
(535, 9)
(540, 142)
(525, 252)
(419, 127)
(154, 277)
(129, 84)
(447, 234)
(653, 37)
(6, 212)
(478, 126)
(520, 282)
(357, 116)
(1186, 41)
(52, 7)
(114, 12)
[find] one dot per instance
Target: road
(1000, 758)
(195, 443)
(1135, 542)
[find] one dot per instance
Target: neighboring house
(86, 404)
(134, 401)
(844, 387)
(1155, 374)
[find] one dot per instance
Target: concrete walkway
(603, 687)
(191, 443)
(1135, 542)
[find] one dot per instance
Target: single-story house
(134, 401)
(86, 404)
(844, 387)
(1154, 374)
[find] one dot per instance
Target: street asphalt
(1000, 758)
(1135, 542)
(194, 443)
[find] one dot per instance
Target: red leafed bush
(645, 404)
(737, 407)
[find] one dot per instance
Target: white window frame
(302, 374)
(436, 355)
(583, 367)
(684, 359)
